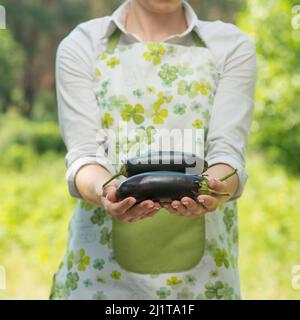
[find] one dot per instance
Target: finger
(179, 207)
(193, 207)
(216, 184)
(201, 211)
(113, 185)
(144, 214)
(142, 207)
(137, 210)
(121, 207)
(111, 194)
(209, 202)
(190, 204)
(152, 214)
(149, 213)
(157, 204)
(170, 209)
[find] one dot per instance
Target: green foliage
(20, 140)
(34, 214)
(11, 60)
(18, 158)
(269, 231)
(44, 107)
(277, 118)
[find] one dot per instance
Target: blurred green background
(35, 206)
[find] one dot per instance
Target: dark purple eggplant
(175, 161)
(166, 186)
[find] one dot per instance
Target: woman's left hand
(205, 203)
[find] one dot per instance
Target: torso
(144, 86)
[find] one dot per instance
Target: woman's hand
(188, 207)
(206, 203)
(126, 210)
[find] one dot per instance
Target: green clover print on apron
(148, 86)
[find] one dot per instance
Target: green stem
(204, 189)
(122, 172)
(111, 179)
(229, 175)
(217, 193)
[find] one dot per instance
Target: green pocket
(164, 243)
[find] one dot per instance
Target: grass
(34, 214)
(35, 209)
(269, 232)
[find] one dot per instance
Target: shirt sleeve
(78, 114)
(233, 106)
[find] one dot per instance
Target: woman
(153, 64)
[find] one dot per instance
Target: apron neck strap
(115, 37)
(197, 40)
(113, 41)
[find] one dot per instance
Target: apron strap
(115, 37)
(113, 41)
(197, 40)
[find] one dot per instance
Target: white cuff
(241, 172)
(77, 164)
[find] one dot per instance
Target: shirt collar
(117, 20)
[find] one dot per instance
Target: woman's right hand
(127, 210)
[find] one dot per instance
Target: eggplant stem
(229, 175)
(111, 179)
(204, 189)
(217, 193)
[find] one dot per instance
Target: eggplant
(175, 161)
(166, 186)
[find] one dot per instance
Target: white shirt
(231, 115)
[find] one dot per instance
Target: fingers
(140, 211)
(218, 186)
(191, 206)
(210, 203)
(118, 208)
(180, 208)
(170, 208)
(141, 208)
(186, 207)
(126, 210)
(149, 213)
(111, 194)
(215, 184)
(111, 186)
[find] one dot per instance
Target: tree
(38, 26)
(11, 61)
(276, 127)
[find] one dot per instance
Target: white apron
(147, 86)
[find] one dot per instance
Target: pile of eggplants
(164, 176)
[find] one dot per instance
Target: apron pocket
(164, 243)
